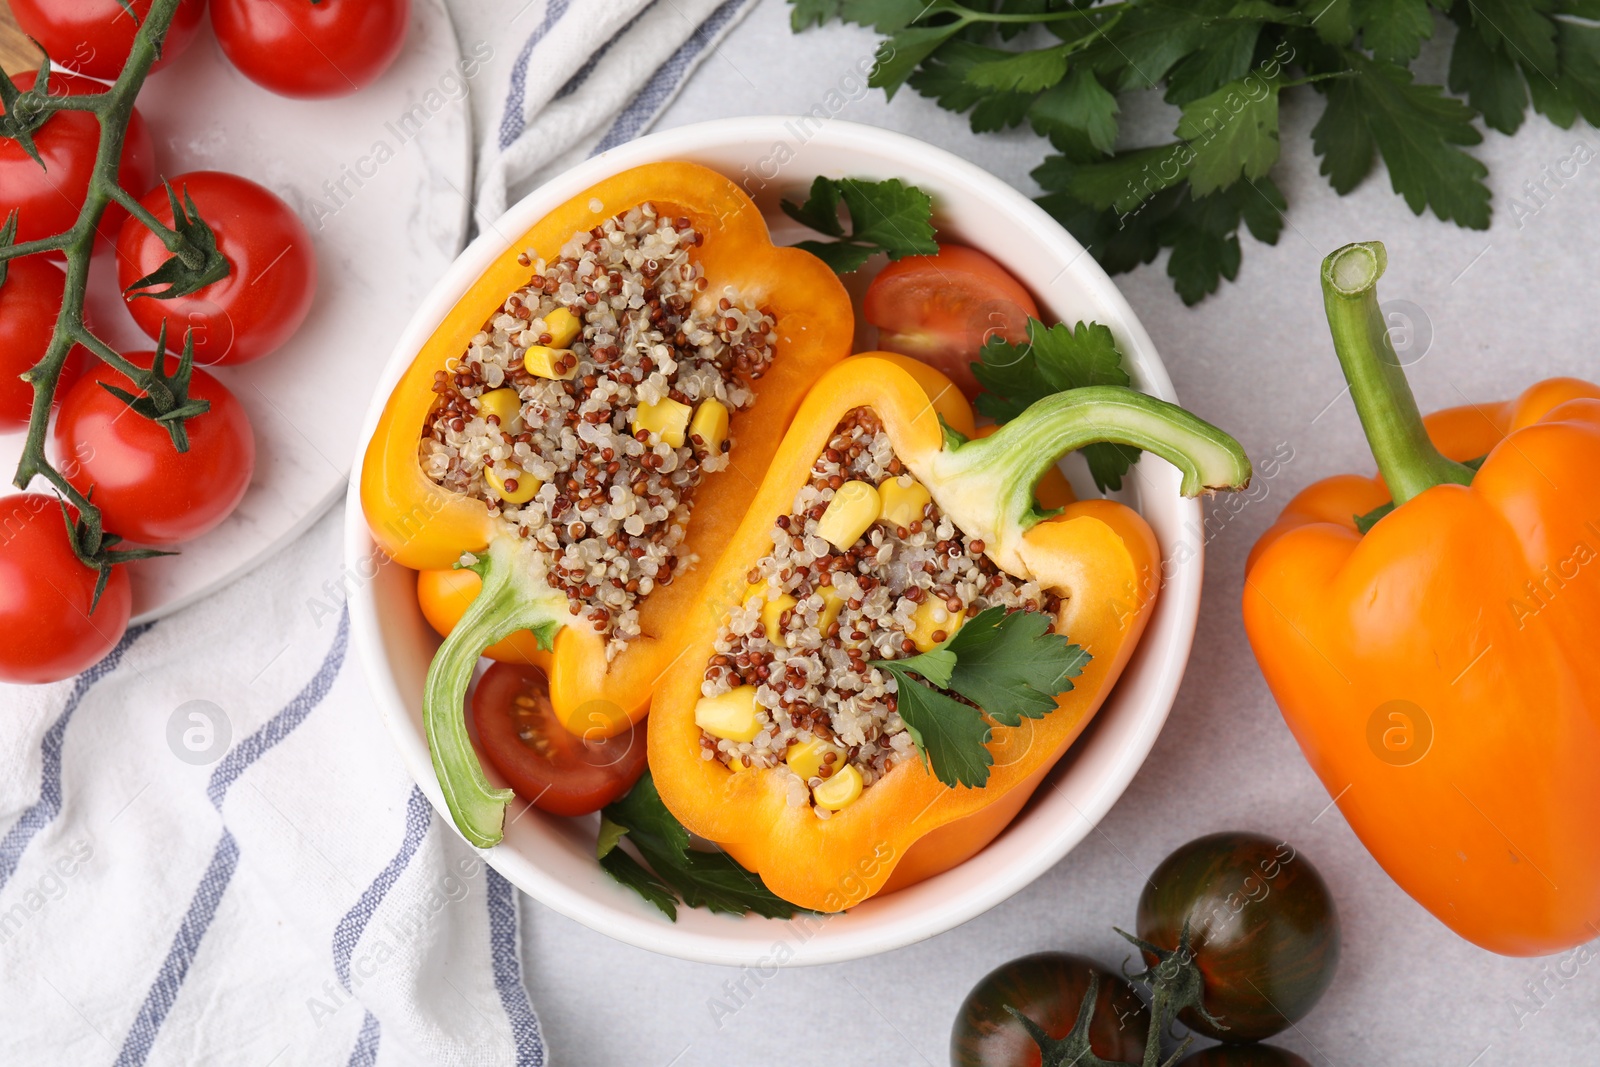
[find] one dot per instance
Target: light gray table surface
(1504, 307)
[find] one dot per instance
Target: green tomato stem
(514, 597)
(1407, 459)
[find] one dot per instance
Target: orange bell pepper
(1099, 555)
(1438, 670)
(428, 528)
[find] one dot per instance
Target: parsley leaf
(888, 216)
(1079, 115)
(1055, 358)
(710, 880)
(1418, 130)
(944, 78)
(1010, 664)
(1393, 30)
(1230, 131)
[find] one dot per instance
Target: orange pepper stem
(1011, 460)
(514, 597)
(1407, 459)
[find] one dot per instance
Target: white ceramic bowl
(553, 858)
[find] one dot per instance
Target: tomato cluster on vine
(145, 448)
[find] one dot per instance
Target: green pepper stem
(1010, 462)
(1399, 441)
(514, 597)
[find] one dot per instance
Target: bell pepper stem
(1407, 459)
(514, 597)
(1010, 462)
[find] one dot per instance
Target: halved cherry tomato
(557, 771)
(147, 490)
(942, 308)
(94, 37)
(269, 287)
(311, 50)
(30, 299)
(47, 199)
(47, 631)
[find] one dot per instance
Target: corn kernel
(832, 602)
(710, 424)
(527, 485)
(852, 510)
(739, 763)
(558, 363)
(666, 419)
(933, 617)
(503, 404)
(562, 326)
(771, 612)
(731, 716)
(805, 758)
(902, 505)
(840, 791)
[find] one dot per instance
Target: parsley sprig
(677, 872)
(887, 216)
(1011, 665)
(1055, 358)
(1225, 64)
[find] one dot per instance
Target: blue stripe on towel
(185, 945)
(348, 933)
(203, 907)
(664, 82)
(43, 811)
(513, 121)
(503, 949)
(365, 1054)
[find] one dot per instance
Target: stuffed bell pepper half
(898, 643)
(587, 424)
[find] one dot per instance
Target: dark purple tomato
(1243, 1056)
(1047, 987)
(1263, 928)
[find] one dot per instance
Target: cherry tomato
(29, 302)
(47, 199)
(1243, 1056)
(1263, 929)
(942, 308)
(1047, 987)
(445, 596)
(268, 290)
(297, 48)
(147, 490)
(558, 771)
(47, 631)
(94, 37)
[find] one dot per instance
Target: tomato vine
(195, 261)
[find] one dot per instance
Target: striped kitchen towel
(590, 76)
(210, 853)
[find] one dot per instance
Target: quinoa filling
(815, 615)
(592, 404)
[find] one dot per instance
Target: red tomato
(47, 199)
(557, 771)
(29, 302)
(296, 48)
(942, 308)
(148, 491)
(94, 37)
(47, 631)
(266, 294)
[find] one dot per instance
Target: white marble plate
(384, 232)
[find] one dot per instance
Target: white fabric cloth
(209, 851)
(590, 75)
